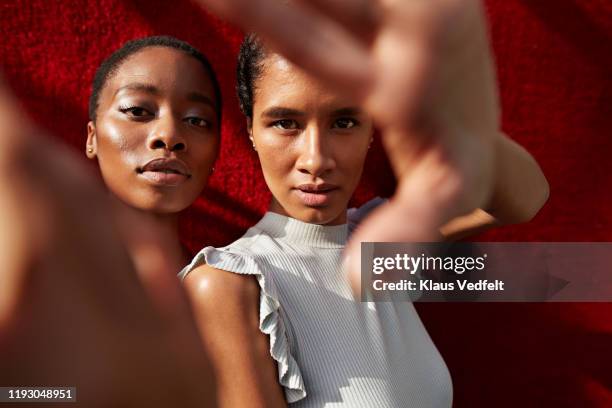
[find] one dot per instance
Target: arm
(427, 78)
(118, 340)
(519, 192)
(227, 313)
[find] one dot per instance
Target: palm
(425, 75)
(66, 275)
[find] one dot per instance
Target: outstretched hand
(423, 70)
(73, 311)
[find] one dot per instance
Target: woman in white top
(275, 308)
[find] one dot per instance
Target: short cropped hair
(111, 64)
(248, 71)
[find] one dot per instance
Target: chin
(321, 216)
(165, 210)
(162, 205)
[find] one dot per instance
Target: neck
(277, 208)
(147, 232)
(301, 233)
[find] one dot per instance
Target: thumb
(148, 246)
(393, 221)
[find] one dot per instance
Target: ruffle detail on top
(270, 321)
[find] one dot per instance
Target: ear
(250, 130)
(91, 146)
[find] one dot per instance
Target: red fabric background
(554, 62)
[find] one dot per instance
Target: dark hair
(111, 64)
(250, 58)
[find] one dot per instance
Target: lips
(315, 195)
(165, 171)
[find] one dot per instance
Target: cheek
(276, 154)
(118, 142)
(351, 160)
(276, 169)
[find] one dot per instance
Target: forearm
(520, 190)
(466, 225)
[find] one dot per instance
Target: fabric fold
(270, 322)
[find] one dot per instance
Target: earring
(90, 150)
(254, 148)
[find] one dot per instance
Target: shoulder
(226, 308)
(220, 293)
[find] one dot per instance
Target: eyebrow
(278, 112)
(151, 89)
(350, 111)
(139, 86)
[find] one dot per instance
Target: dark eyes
(285, 124)
(340, 123)
(345, 123)
(135, 112)
(139, 113)
(199, 122)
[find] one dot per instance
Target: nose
(315, 156)
(166, 135)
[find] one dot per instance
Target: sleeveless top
(331, 350)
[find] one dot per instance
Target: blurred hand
(423, 70)
(73, 311)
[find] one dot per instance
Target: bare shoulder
(226, 307)
(221, 293)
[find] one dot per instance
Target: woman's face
(311, 142)
(156, 134)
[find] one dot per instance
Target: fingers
(438, 76)
(67, 277)
(147, 244)
(12, 121)
(307, 38)
(407, 64)
(360, 17)
(442, 182)
(13, 237)
(392, 222)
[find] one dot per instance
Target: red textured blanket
(555, 70)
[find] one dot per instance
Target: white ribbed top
(331, 350)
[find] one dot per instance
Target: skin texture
(58, 255)
(227, 313)
(72, 309)
(159, 104)
(300, 137)
(427, 79)
(301, 131)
